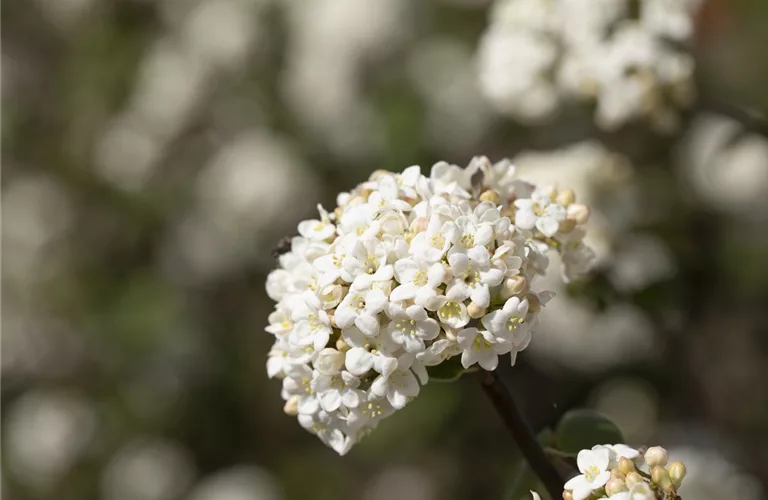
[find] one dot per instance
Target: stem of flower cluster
(522, 433)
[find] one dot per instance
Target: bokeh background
(155, 152)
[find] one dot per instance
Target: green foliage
(448, 371)
(583, 429)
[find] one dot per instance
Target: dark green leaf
(448, 370)
(583, 429)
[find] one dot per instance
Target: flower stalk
(522, 433)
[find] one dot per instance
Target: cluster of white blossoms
(618, 472)
(407, 272)
(625, 55)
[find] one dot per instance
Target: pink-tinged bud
(656, 455)
(419, 225)
(578, 213)
(567, 495)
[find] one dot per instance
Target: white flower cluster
(622, 54)
(618, 472)
(407, 272)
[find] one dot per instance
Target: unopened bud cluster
(406, 272)
(619, 472)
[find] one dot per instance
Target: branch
(522, 433)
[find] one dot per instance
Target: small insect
(283, 246)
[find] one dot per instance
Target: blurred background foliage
(155, 152)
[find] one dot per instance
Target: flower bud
(291, 406)
(490, 195)
(578, 213)
(566, 226)
(512, 286)
(656, 455)
(677, 472)
(332, 319)
(550, 191)
(567, 495)
(329, 361)
(615, 486)
(475, 311)
(660, 476)
(617, 474)
(633, 478)
(565, 197)
(626, 465)
(419, 225)
(342, 346)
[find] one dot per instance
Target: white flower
(539, 212)
(336, 390)
(313, 326)
(329, 361)
(418, 280)
(368, 257)
(451, 310)
(411, 327)
(297, 384)
(399, 387)
(439, 351)
(509, 321)
(473, 275)
(360, 361)
(617, 451)
(361, 308)
(432, 244)
(479, 347)
(449, 179)
(317, 230)
(593, 465)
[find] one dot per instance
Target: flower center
(438, 241)
(472, 277)
(450, 309)
(357, 303)
(514, 322)
(591, 473)
(371, 263)
(407, 326)
(468, 240)
(420, 278)
(481, 343)
(374, 410)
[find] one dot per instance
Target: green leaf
(583, 429)
(448, 370)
